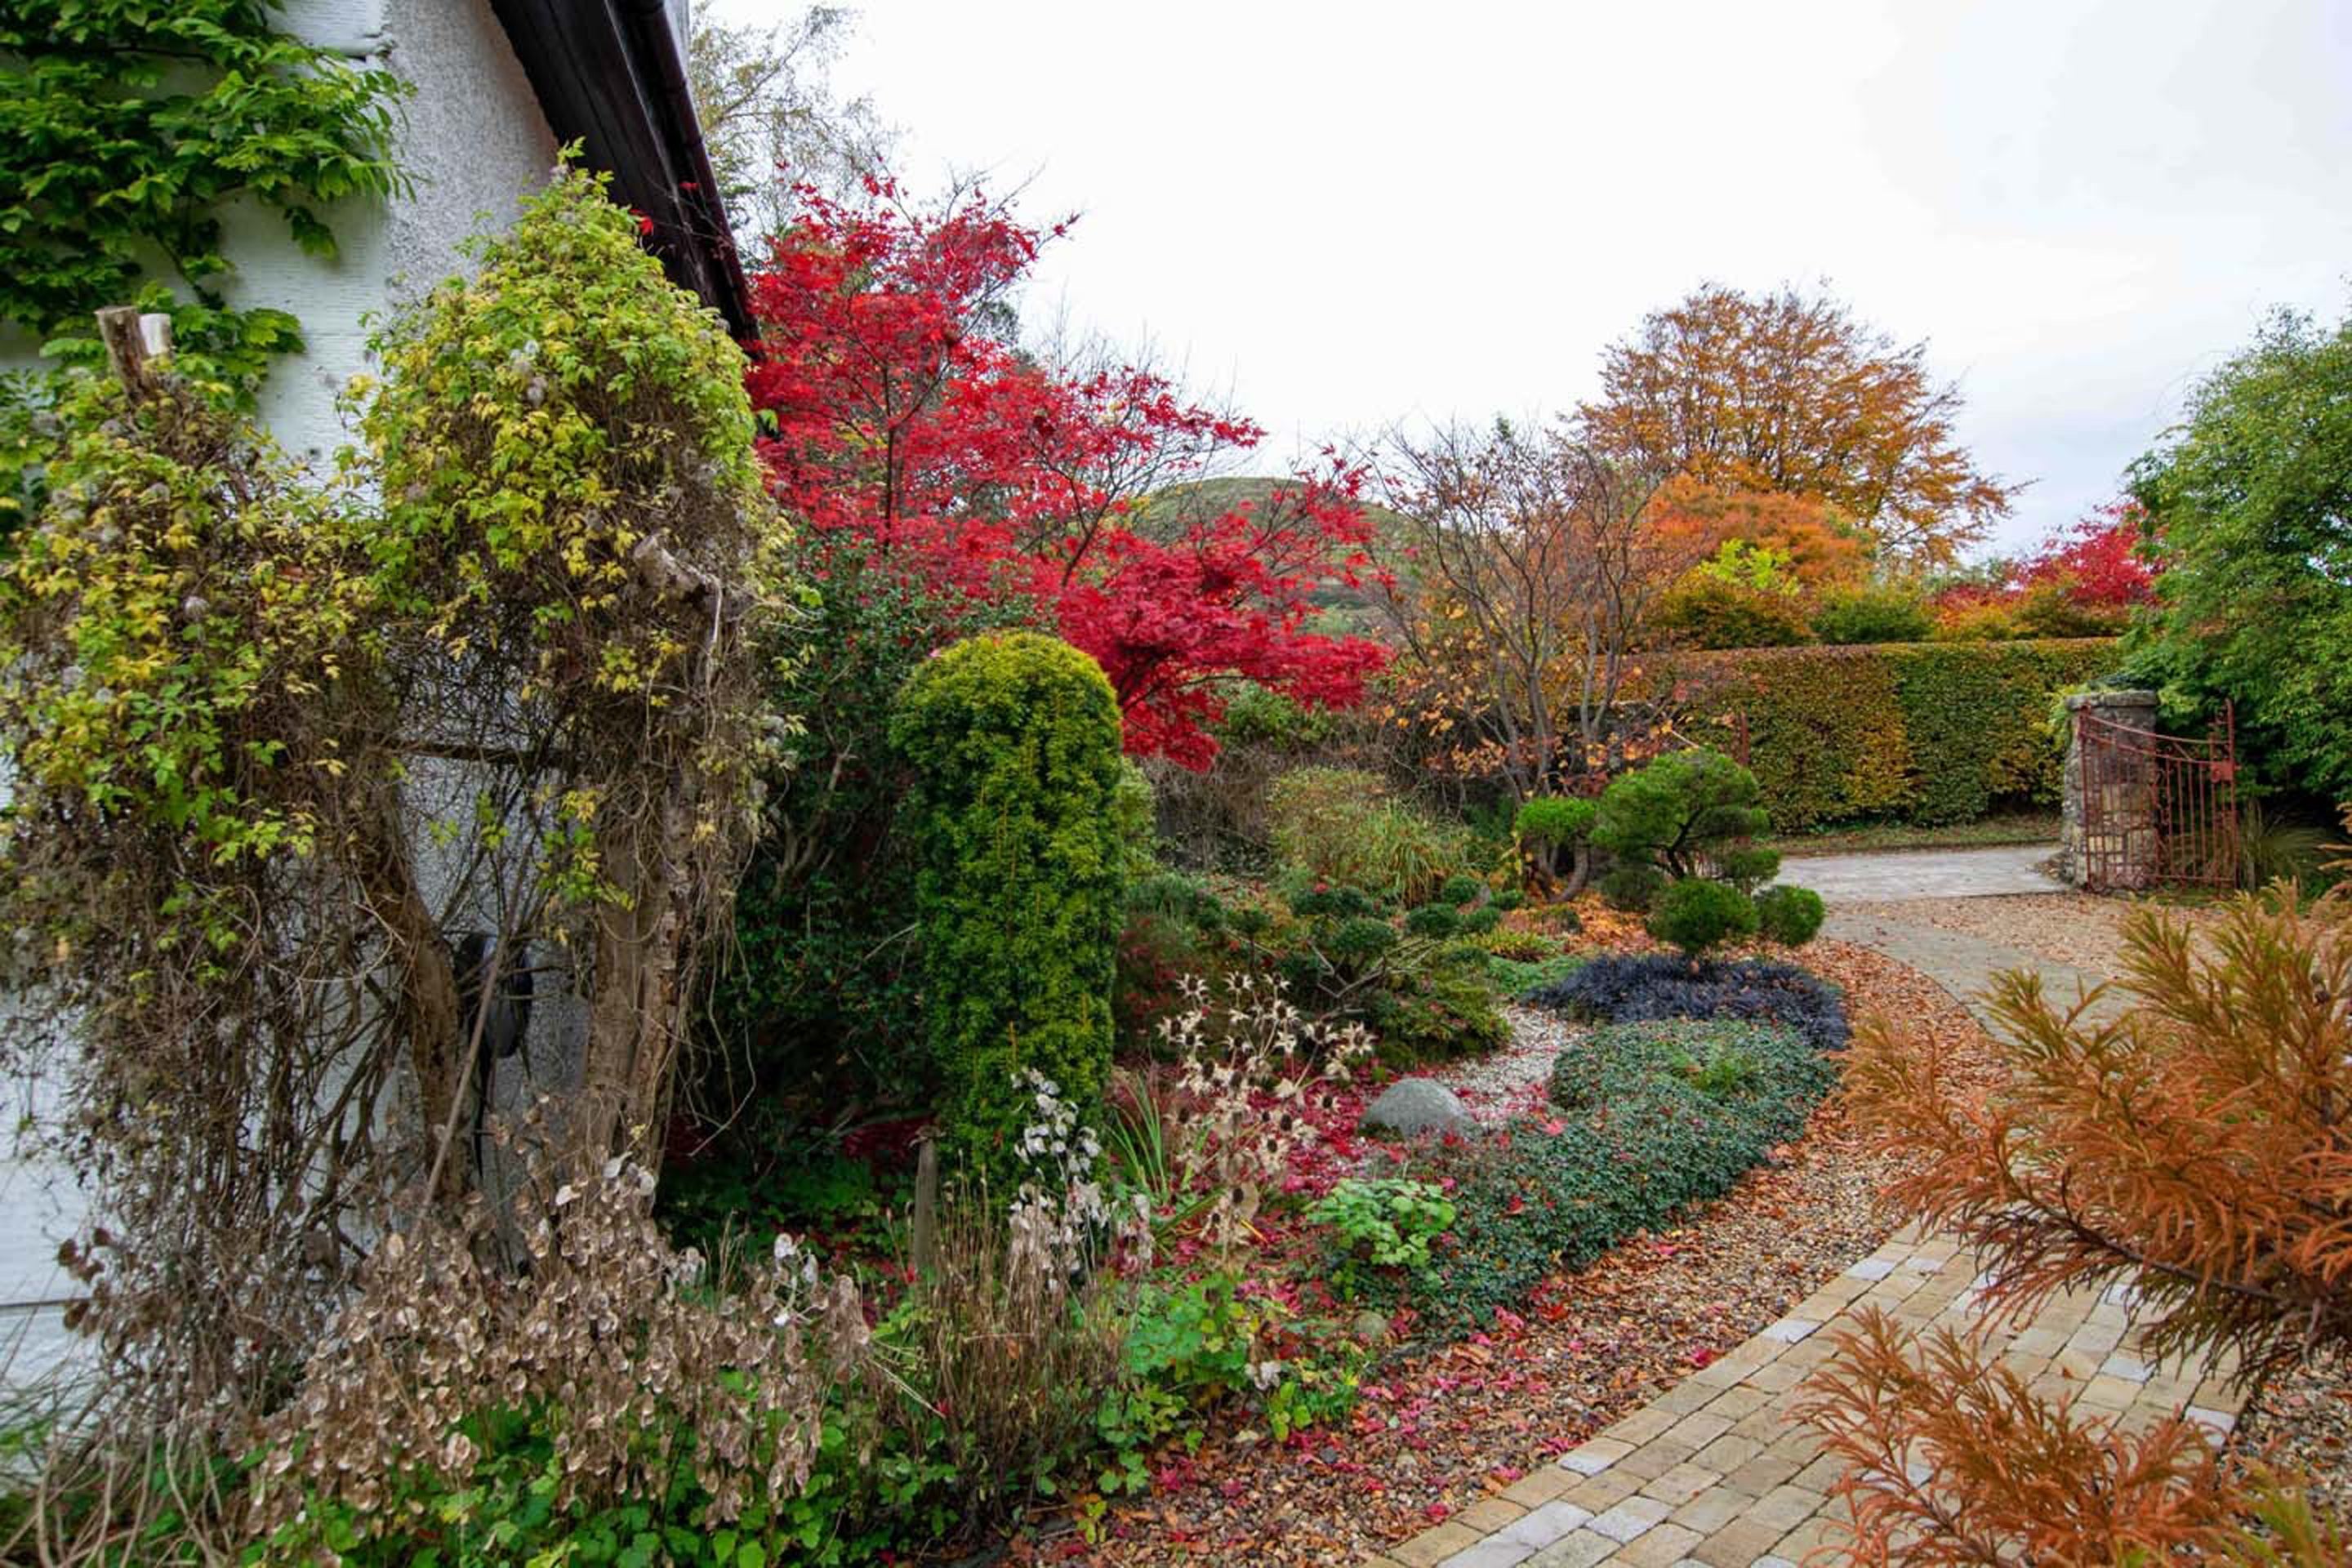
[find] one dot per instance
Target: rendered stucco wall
(472, 142)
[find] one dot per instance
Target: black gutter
(609, 75)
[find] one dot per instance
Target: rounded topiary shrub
(1433, 920)
(1789, 916)
(1631, 887)
(1460, 889)
(1013, 740)
(1696, 914)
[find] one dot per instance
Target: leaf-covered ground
(1434, 1434)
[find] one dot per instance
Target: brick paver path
(1717, 1472)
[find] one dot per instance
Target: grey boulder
(1413, 1105)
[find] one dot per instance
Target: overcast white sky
(1351, 214)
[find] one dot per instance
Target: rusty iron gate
(2158, 810)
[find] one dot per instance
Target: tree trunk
(431, 1019)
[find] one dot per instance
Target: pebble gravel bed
(1514, 1079)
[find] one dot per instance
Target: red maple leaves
(905, 422)
(2098, 562)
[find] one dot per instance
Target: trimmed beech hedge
(1923, 733)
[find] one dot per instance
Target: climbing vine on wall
(129, 124)
(127, 129)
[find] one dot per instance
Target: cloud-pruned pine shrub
(1631, 887)
(1015, 739)
(1648, 986)
(1788, 915)
(1698, 915)
(1679, 809)
(1661, 1114)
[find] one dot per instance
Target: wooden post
(924, 1226)
(130, 339)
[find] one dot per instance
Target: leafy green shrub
(1480, 921)
(1678, 808)
(1524, 977)
(1342, 825)
(1696, 914)
(1631, 887)
(1433, 920)
(1708, 611)
(1662, 1114)
(1884, 614)
(1388, 1222)
(1018, 878)
(2249, 496)
(1923, 732)
(1461, 890)
(1506, 899)
(822, 992)
(1645, 987)
(1789, 916)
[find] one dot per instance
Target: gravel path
(1514, 1079)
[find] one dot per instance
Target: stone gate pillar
(2109, 839)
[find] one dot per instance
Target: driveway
(1888, 877)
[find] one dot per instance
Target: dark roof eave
(608, 75)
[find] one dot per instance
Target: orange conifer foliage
(2197, 1148)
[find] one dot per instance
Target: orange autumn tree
(1822, 549)
(1791, 395)
(2196, 1148)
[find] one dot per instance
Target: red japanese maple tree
(2098, 562)
(906, 425)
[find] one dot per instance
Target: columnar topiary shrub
(1014, 740)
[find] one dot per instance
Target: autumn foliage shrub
(2194, 1148)
(1708, 611)
(1872, 615)
(1015, 741)
(1929, 732)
